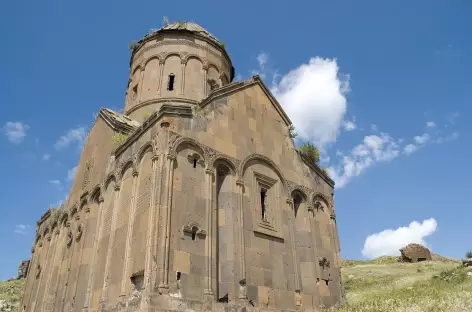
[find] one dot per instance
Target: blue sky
(386, 83)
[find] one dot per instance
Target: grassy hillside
(380, 285)
(11, 292)
(384, 285)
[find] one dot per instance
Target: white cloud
(71, 174)
(314, 94)
(374, 128)
(46, 156)
(422, 139)
(22, 229)
(262, 59)
(374, 149)
(78, 135)
(410, 148)
(389, 242)
(55, 182)
(430, 124)
(15, 131)
(350, 125)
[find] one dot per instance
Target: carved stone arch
(319, 197)
(162, 58)
(135, 69)
(152, 57)
(297, 190)
(209, 65)
(167, 55)
(83, 204)
(193, 228)
(111, 177)
(46, 231)
(73, 210)
(223, 160)
(95, 193)
(189, 141)
(64, 218)
(187, 57)
(147, 147)
(242, 168)
(129, 163)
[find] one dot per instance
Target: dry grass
(12, 291)
(384, 285)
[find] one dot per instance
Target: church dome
(189, 26)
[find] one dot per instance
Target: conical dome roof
(189, 26)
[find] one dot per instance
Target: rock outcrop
(414, 253)
(23, 269)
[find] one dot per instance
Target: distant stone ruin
(415, 253)
(23, 269)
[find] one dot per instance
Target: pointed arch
(148, 146)
(189, 141)
(126, 165)
(223, 160)
(244, 164)
(111, 177)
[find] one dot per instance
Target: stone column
(205, 73)
(242, 264)
(91, 273)
(65, 231)
(141, 82)
(165, 238)
(106, 278)
(43, 267)
(161, 72)
(81, 237)
(182, 84)
(313, 239)
(51, 267)
(294, 245)
(129, 236)
(148, 264)
(72, 247)
(209, 174)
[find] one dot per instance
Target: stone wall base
(166, 303)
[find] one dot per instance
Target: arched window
(170, 84)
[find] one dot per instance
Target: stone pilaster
(73, 248)
(241, 247)
(313, 241)
(81, 238)
(91, 273)
(148, 265)
(182, 84)
(295, 261)
(165, 237)
(205, 74)
(129, 236)
(43, 267)
(141, 82)
(209, 174)
(106, 276)
(161, 73)
(55, 297)
(55, 243)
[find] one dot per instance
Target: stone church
(194, 199)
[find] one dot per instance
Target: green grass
(384, 285)
(11, 291)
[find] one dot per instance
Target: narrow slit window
(170, 86)
(179, 275)
(194, 163)
(194, 233)
(263, 204)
